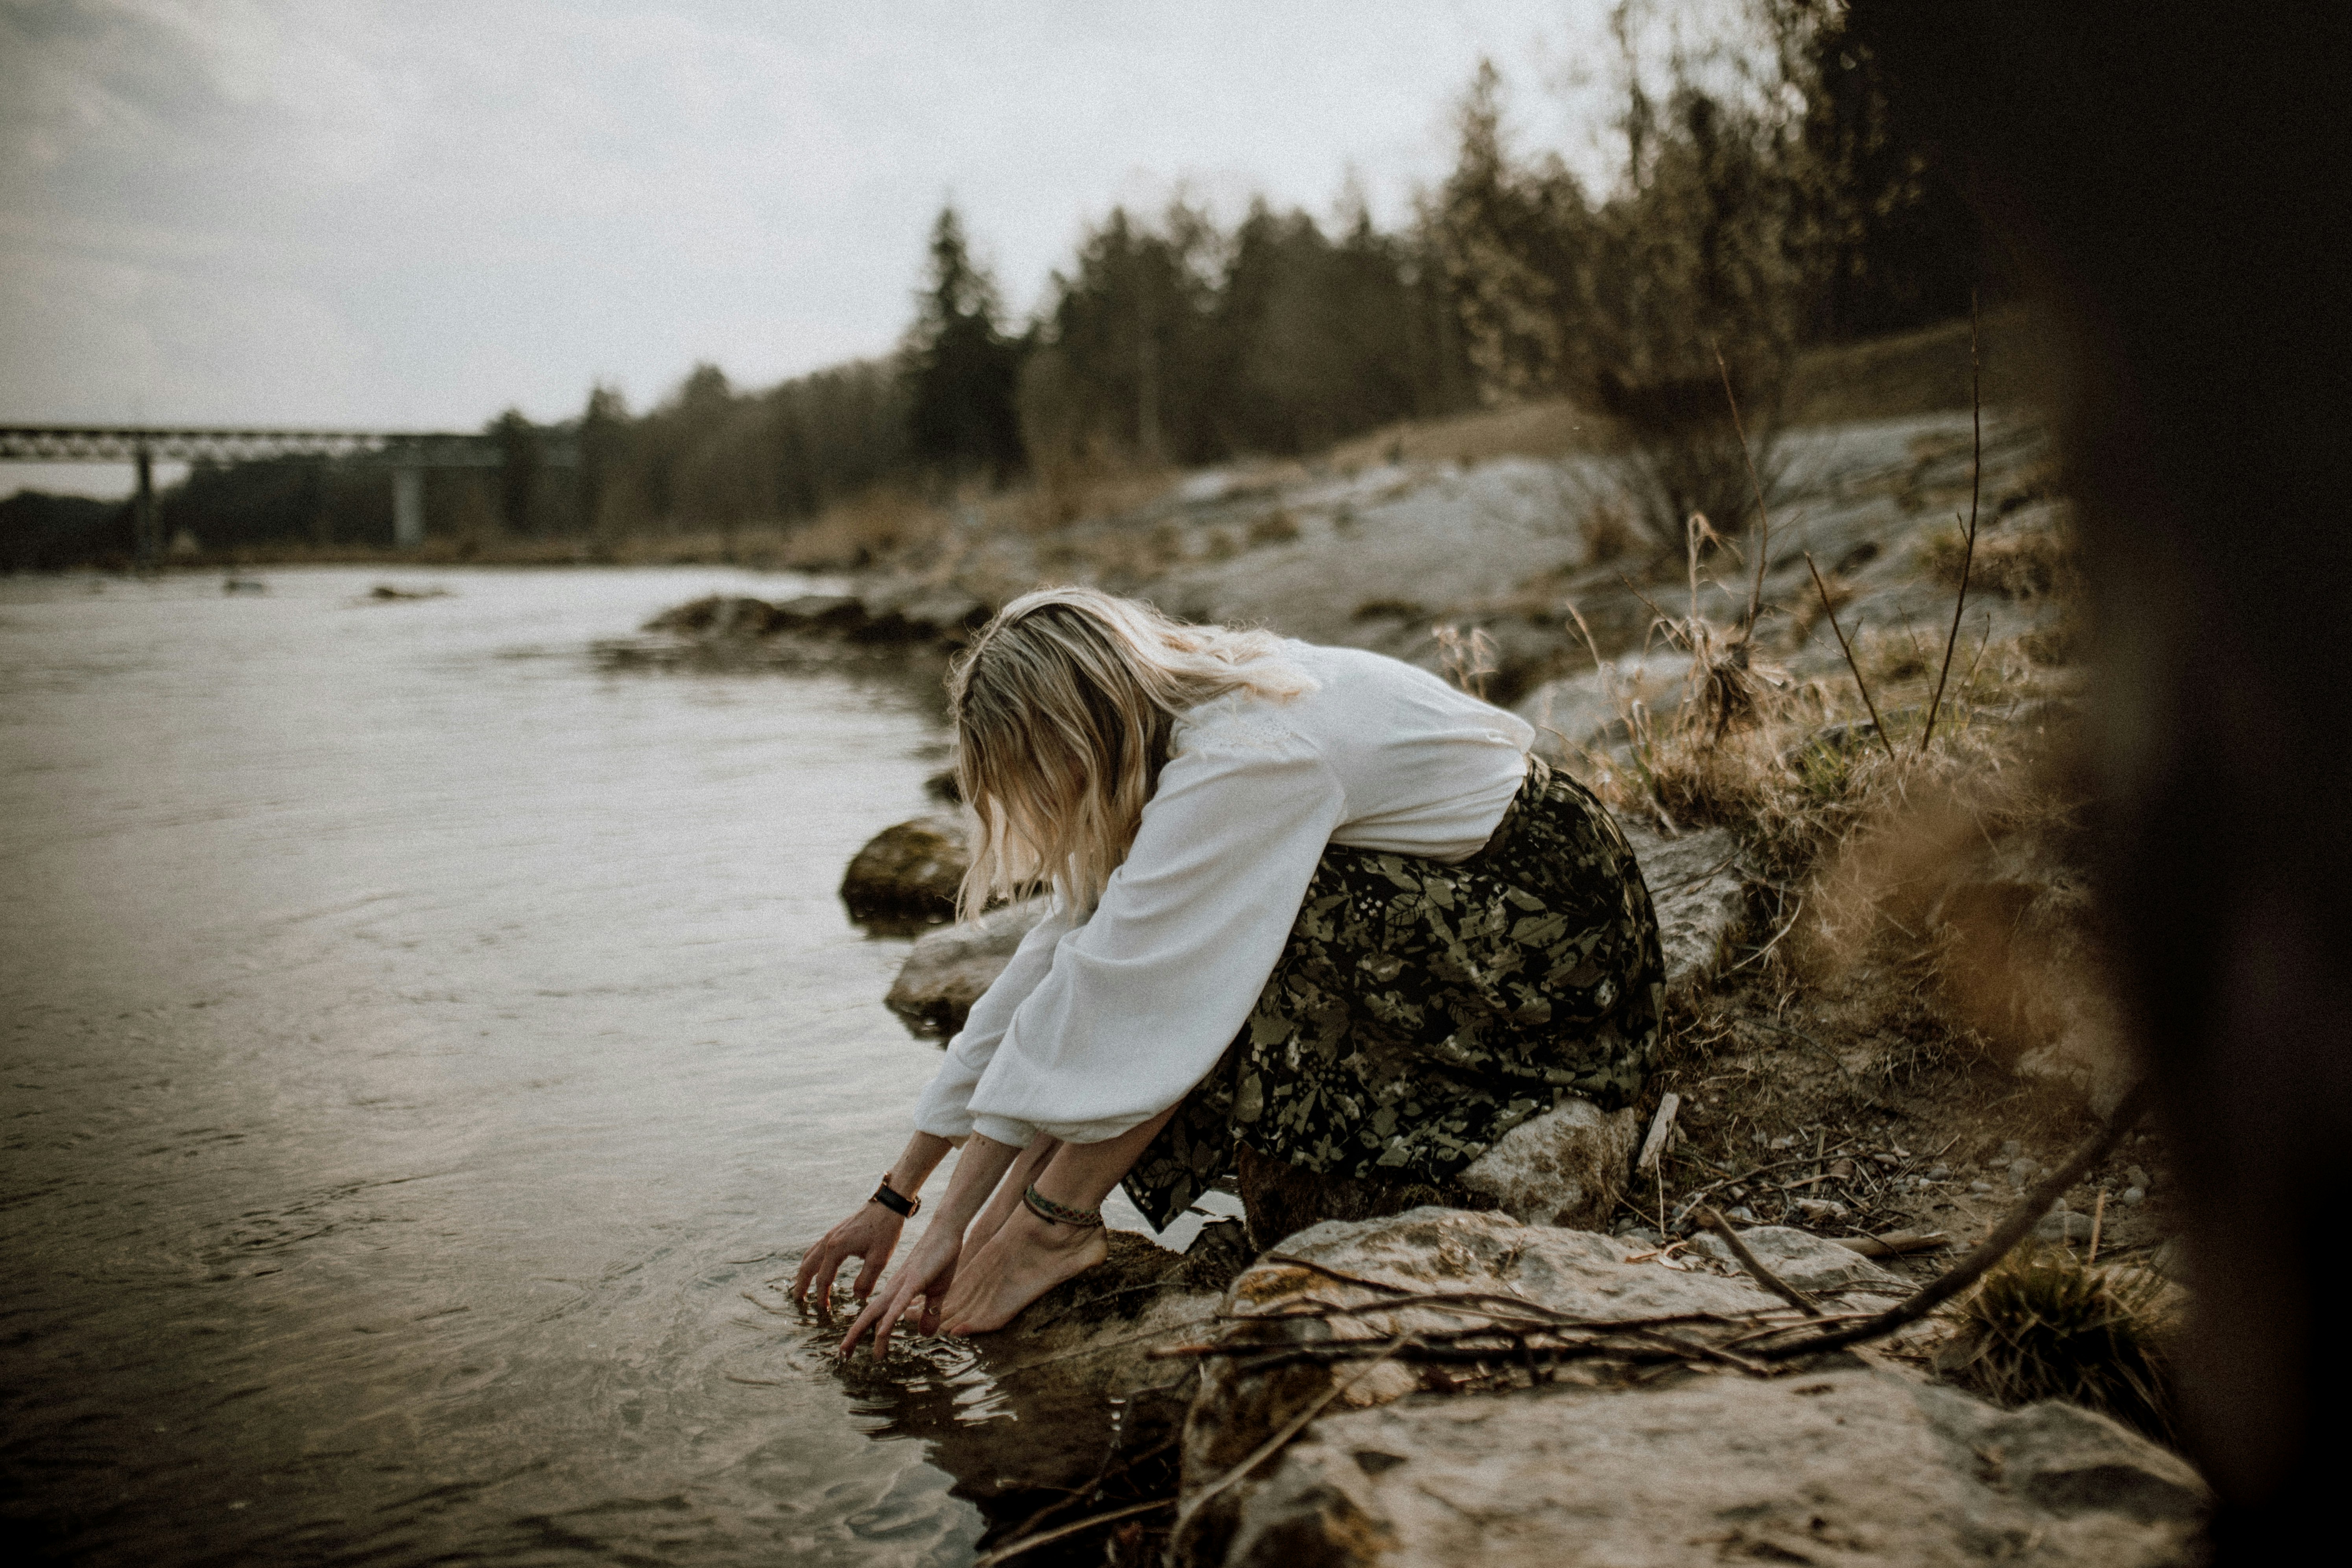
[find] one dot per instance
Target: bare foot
(1025, 1259)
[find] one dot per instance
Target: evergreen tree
(962, 371)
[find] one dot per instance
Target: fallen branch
(1755, 1266)
(2011, 1230)
(1844, 646)
(1894, 1243)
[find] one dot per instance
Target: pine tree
(962, 370)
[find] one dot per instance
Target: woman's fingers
(871, 1275)
(874, 1309)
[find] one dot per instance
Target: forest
(1762, 204)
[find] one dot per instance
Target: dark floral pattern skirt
(1421, 1010)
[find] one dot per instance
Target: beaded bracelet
(1052, 1213)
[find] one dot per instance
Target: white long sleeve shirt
(1101, 1022)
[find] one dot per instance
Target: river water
(424, 1051)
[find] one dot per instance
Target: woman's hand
(926, 1276)
(871, 1234)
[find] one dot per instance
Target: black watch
(904, 1207)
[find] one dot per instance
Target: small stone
(2133, 1198)
(1822, 1210)
(2021, 1173)
(1785, 1140)
(1641, 1235)
(2011, 1149)
(1980, 1187)
(908, 871)
(2064, 1225)
(1743, 1216)
(1941, 1173)
(2136, 1177)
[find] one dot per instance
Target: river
(425, 1050)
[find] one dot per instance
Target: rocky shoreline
(1574, 1373)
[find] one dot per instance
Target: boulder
(909, 871)
(949, 969)
(1359, 1264)
(1838, 1464)
(1566, 1167)
(1696, 888)
(1846, 1465)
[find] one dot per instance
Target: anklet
(1052, 1213)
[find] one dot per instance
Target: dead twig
(1010, 1550)
(1875, 723)
(1755, 1265)
(1968, 553)
(1894, 1243)
(1763, 517)
(1289, 1429)
(2011, 1230)
(1660, 1125)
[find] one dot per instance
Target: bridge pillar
(407, 508)
(146, 547)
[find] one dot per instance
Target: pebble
(2011, 1149)
(1640, 1236)
(2021, 1173)
(2136, 1177)
(1785, 1140)
(1743, 1214)
(1821, 1208)
(1979, 1186)
(2064, 1225)
(2133, 1196)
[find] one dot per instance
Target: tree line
(1762, 203)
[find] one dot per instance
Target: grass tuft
(2044, 1324)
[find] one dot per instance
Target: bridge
(406, 454)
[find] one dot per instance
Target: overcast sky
(415, 213)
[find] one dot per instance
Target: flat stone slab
(1846, 1466)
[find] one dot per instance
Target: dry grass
(2030, 564)
(2046, 1324)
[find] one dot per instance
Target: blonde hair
(1064, 710)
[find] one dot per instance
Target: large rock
(948, 968)
(1566, 1167)
(907, 872)
(1847, 1465)
(1701, 899)
(1358, 1265)
(1839, 1465)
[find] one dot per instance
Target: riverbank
(1894, 1027)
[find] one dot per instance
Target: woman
(1314, 911)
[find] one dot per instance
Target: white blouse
(1102, 1022)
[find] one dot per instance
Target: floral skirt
(1421, 1009)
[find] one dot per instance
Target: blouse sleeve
(945, 1108)
(1141, 1000)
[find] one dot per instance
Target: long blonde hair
(1063, 710)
